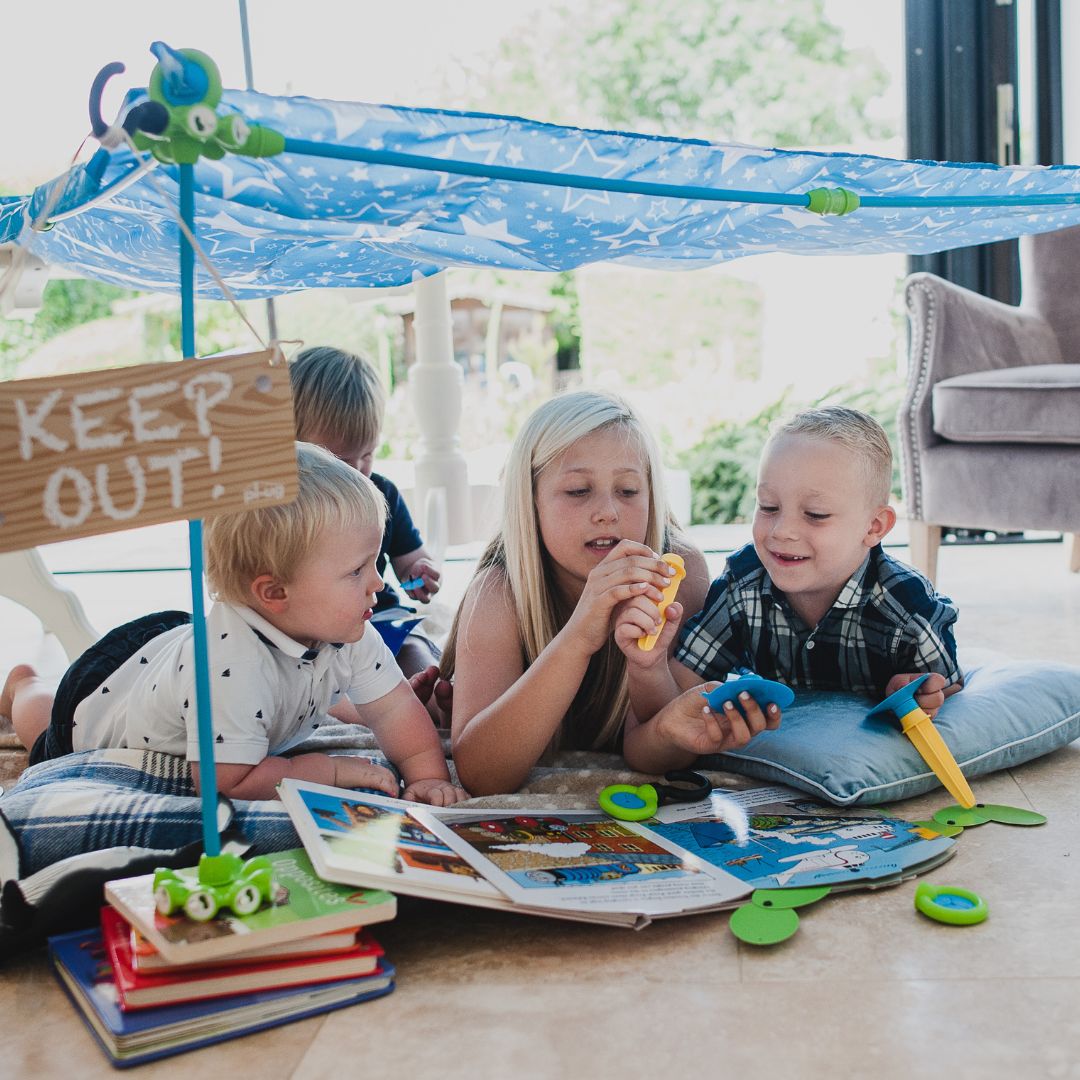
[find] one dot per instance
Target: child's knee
(416, 654)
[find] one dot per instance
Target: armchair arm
(955, 331)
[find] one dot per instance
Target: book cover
(131, 1038)
(795, 842)
(424, 851)
(374, 840)
(145, 958)
(137, 990)
(303, 905)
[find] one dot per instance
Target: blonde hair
(274, 539)
(855, 431)
(336, 395)
(599, 709)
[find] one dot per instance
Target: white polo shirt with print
(269, 692)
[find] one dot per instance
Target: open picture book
(584, 865)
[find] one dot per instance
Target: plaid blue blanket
(72, 823)
(120, 798)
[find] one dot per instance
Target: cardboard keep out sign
(107, 450)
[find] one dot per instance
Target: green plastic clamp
(838, 201)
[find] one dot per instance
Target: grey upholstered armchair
(990, 427)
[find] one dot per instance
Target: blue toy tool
(413, 583)
(395, 631)
(919, 728)
(763, 691)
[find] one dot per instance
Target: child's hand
(628, 571)
(423, 570)
(689, 723)
(434, 792)
(435, 694)
(354, 772)
(639, 617)
(930, 696)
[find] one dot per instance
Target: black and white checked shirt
(886, 621)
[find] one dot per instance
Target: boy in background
(294, 588)
(813, 602)
(339, 403)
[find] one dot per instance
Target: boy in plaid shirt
(813, 602)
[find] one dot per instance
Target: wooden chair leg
(1072, 551)
(25, 579)
(924, 540)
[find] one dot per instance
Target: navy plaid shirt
(886, 621)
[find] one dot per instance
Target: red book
(139, 990)
(146, 959)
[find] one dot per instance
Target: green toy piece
(950, 905)
(1010, 815)
(939, 828)
(780, 899)
(763, 926)
(188, 84)
(223, 881)
(629, 803)
(957, 815)
(769, 917)
(838, 201)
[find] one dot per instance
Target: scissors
(629, 803)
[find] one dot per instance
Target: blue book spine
(82, 955)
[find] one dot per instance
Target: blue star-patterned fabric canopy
(302, 220)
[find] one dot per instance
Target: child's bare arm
(260, 781)
(654, 677)
(407, 737)
(686, 728)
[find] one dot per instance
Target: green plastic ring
(948, 904)
(617, 800)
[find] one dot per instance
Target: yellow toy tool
(919, 728)
(647, 642)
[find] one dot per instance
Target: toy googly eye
(233, 130)
(201, 121)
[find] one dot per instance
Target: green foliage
(777, 74)
(65, 305)
(649, 324)
(217, 328)
(565, 320)
(723, 465)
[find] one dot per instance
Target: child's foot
(443, 700)
(18, 674)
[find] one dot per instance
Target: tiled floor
(866, 988)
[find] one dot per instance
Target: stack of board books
(583, 865)
(149, 986)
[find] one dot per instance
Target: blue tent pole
(805, 200)
(207, 775)
(309, 148)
